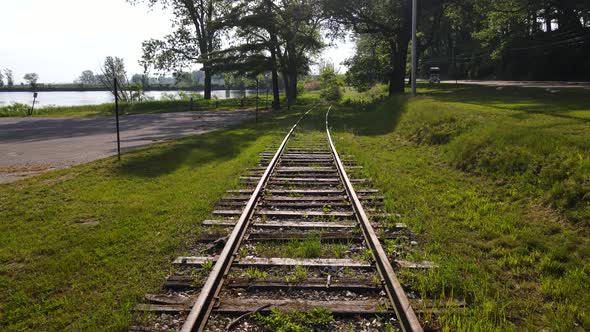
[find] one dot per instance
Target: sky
(59, 39)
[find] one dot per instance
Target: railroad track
(297, 238)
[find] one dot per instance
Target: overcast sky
(58, 39)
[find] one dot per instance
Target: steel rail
(395, 292)
(199, 314)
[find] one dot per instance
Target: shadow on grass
(208, 148)
(526, 100)
(376, 119)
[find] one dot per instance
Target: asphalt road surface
(30, 146)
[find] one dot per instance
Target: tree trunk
(399, 54)
(548, 18)
(293, 80)
(285, 74)
(207, 92)
(287, 86)
(276, 101)
(292, 70)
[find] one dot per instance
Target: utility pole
(414, 60)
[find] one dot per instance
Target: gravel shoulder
(31, 146)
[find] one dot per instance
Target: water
(79, 98)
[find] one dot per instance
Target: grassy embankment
(146, 107)
(497, 185)
(79, 247)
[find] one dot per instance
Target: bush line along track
(298, 187)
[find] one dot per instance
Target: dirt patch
(90, 223)
(24, 168)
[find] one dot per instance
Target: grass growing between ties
(497, 185)
(282, 321)
(79, 247)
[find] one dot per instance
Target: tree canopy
(510, 39)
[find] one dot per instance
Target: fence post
(34, 99)
(117, 117)
(256, 99)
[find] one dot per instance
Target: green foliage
(388, 25)
(308, 248)
(353, 96)
(207, 266)
(254, 273)
(281, 321)
(370, 63)
(32, 79)
(330, 83)
(9, 77)
(15, 109)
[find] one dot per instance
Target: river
(79, 98)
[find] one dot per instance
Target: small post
(191, 104)
(266, 97)
(117, 117)
(414, 41)
(256, 99)
(34, 99)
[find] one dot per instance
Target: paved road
(30, 146)
(528, 84)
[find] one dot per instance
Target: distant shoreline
(86, 89)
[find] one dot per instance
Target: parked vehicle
(434, 75)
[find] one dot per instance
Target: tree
(137, 79)
(1, 79)
(273, 36)
(370, 63)
(255, 31)
(114, 67)
(9, 77)
(387, 20)
(87, 77)
(32, 79)
(299, 24)
(197, 36)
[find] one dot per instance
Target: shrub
(15, 109)
(330, 84)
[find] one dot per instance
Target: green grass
(146, 107)
(79, 247)
(496, 184)
(311, 247)
(290, 321)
